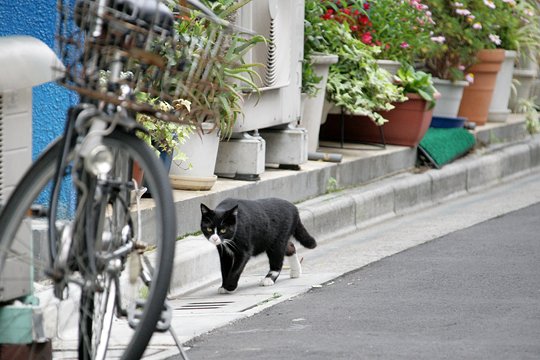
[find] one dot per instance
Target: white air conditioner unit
(25, 62)
(15, 138)
(282, 23)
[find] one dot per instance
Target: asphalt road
(472, 294)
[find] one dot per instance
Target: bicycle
(110, 249)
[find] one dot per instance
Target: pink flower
(477, 26)
(495, 39)
(404, 45)
(490, 4)
(470, 78)
(438, 39)
(463, 12)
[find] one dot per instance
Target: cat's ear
(234, 211)
(204, 209)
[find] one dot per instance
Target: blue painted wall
(37, 18)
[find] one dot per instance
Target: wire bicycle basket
(138, 53)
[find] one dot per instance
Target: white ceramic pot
(197, 172)
(389, 65)
(451, 93)
(524, 85)
(498, 109)
(312, 114)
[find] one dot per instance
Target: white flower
(463, 12)
(495, 39)
(438, 39)
(489, 4)
(477, 26)
(470, 78)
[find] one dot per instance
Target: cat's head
(218, 226)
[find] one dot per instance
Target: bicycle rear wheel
(126, 265)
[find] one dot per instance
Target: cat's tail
(301, 234)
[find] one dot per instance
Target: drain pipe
(321, 156)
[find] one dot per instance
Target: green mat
(442, 145)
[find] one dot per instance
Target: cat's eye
(222, 231)
(209, 229)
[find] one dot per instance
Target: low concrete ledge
(483, 171)
(449, 182)
(373, 205)
(515, 160)
(495, 133)
(331, 214)
(196, 264)
(534, 146)
(411, 191)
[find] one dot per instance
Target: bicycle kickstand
(178, 343)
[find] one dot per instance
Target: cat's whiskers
(230, 246)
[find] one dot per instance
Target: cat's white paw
(266, 282)
(222, 290)
(295, 273)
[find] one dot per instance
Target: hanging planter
(477, 96)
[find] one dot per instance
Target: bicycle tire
(15, 214)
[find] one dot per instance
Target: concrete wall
(37, 18)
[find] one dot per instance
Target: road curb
(197, 263)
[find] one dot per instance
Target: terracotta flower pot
(477, 96)
(407, 124)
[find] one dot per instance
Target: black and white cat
(241, 229)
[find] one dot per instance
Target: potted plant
(212, 82)
(315, 69)
(469, 38)
(400, 29)
(526, 66)
(356, 84)
(408, 120)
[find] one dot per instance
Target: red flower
(366, 5)
(363, 19)
(354, 28)
(366, 38)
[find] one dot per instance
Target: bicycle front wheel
(114, 252)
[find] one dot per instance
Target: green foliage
(216, 93)
(532, 121)
(465, 27)
(417, 82)
(356, 82)
(400, 28)
(163, 135)
(310, 80)
(332, 185)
